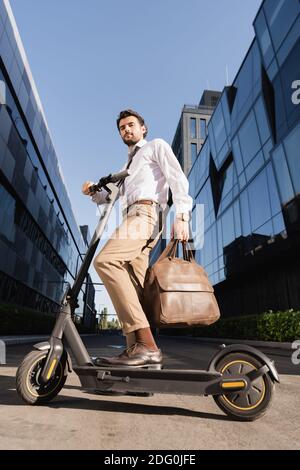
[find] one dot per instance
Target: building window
(193, 153)
(249, 139)
(283, 175)
(280, 16)
(262, 121)
(7, 215)
(203, 128)
(291, 144)
(193, 128)
(260, 209)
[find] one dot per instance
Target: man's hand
(180, 230)
(85, 188)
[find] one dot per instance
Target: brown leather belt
(149, 202)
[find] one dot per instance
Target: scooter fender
(46, 346)
(234, 348)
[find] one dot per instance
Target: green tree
(103, 322)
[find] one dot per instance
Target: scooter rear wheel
(253, 403)
(29, 386)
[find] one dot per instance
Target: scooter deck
(130, 379)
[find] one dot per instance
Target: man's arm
(179, 185)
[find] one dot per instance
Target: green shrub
(268, 326)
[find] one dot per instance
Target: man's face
(131, 130)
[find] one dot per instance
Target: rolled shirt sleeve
(175, 176)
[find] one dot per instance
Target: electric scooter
(240, 378)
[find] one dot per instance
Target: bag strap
(170, 251)
(187, 252)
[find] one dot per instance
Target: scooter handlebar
(112, 178)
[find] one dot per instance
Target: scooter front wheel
(28, 379)
(254, 402)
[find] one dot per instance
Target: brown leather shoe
(137, 356)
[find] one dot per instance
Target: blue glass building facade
(40, 241)
(247, 173)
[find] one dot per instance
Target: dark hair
(129, 112)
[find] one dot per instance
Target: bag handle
(187, 252)
(170, 250)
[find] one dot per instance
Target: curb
(259, 344)
(11, 340)
(15, 340)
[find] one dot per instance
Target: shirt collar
(139, 144)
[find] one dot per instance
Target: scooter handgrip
(118, 176)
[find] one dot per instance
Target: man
(123, 261)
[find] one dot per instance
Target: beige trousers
(123, 261)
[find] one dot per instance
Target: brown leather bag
(177, 292)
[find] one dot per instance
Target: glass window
(254, 166)
(262, 33)
(246, 227)
(256, 58)
(278, 224)
(243, 83)
(262, 122)
(208, 249)
(282, 175)
(192, 181)
(266, 230)
(237, 219)
(242, 180)
(193, 153)
(203, 163)
(222, 155)
(228, 227)
(273, 191)
(245, 79)
(290, 72)
(218, 128)
(280, 14)
(267, 149)
(289, 42)
(193, 128)
(226, 113)
(211, 140)
(291, 145)
(237, 156)
(280, 110)
(260, 209)
(205, 197)
(219, 238)
(249, 139)
(203, 128)
(7, 214)
(227, 180)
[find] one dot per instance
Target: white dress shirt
(153, 170)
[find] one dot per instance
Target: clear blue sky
(92, 58)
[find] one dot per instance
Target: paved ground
(77, 420)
